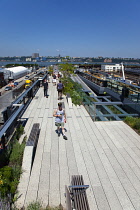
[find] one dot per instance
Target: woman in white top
(60, 119)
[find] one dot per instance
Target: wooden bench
(76, 197)
(33, 140)
(28, 158)
(33, 137)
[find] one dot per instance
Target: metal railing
(130, 91)
(12, 113)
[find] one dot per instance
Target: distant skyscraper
(35, 55)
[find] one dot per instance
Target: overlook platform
(107, 154)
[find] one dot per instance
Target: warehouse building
(14, 72)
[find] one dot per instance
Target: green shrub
(19, 132)
(9, 175)
(130, 121)
(8, 181)
(137, 123)
(17, 153)
(76, 98)
(34, 206)
(5, 180)
(114, 109)
(133, 122)
(75, 91)
(54, 208)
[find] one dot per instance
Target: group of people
(55, 77)
(59, 113)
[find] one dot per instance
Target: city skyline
(76, 28)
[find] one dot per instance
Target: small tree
(66, 69)
(50, 69)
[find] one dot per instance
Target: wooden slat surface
(107, 154)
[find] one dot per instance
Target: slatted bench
(33, 137)
(28, 158)
(76, 197)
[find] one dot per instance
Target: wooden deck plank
(50, 95)
(44, 138)
(132, 187)
(54, 192)
(44, 182)
(118, 156)
(113, 179)
(107, 154)
(129, 137)
(129, 150)
(128, 129)
(105, 186)
(82, 167)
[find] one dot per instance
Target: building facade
(115, 67)
(35, 55)
(28, 59)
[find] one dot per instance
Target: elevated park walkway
(106, 154)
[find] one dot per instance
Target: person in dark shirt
(60, 87)
(45, 84)
(54, 79)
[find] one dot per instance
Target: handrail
(9, 121)
(16, 112)
(26, 92)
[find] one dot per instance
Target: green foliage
(133, 122)
(66, 69)
(68, 85)
(114, 109)
(34, 206)
(17, 153)
(19, 132)
(5, 180)
(50, 69)
(54, 208)
(4, 156)
(9, 175)
(75, 91)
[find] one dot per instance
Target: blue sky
(84, 28)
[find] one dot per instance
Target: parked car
(15, 83)
(26, 77)
(8, 88)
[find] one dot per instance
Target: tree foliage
(66, 69)
(10, 174)
(50, 69)
(74, 90)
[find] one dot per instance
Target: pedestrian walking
(49, 78)
(60, 119)
(60, 87)
(45, 84)
(54, 79)
(58, 75)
